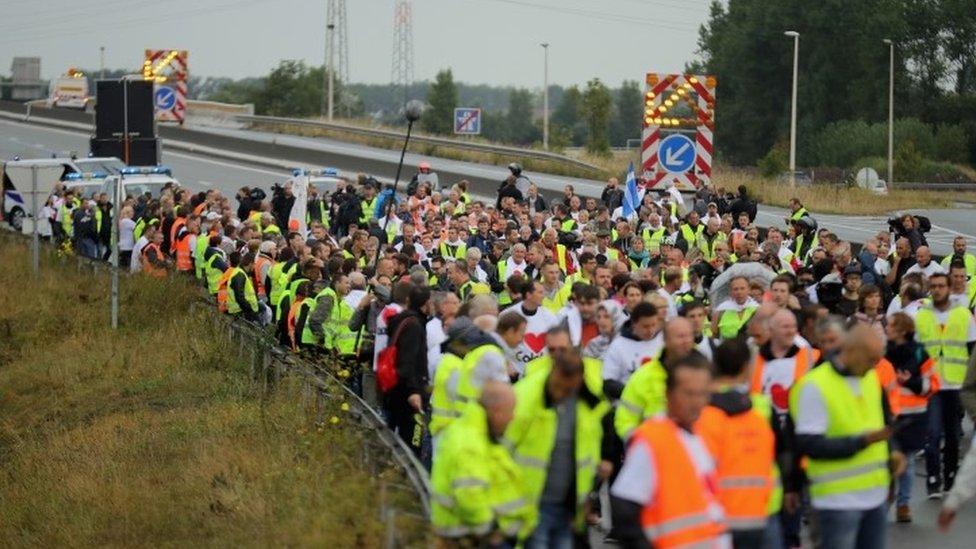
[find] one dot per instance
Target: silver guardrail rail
(423, 139)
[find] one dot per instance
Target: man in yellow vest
(843, 424)
(476, 488)
(665, 494)
(948, 334)
(959, 255)
(555, 440)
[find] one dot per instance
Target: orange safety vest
(178, 223)
(678, 515)
(184, 261)
(259, 262)
(292, 320)
(802, 361)
(889, 384)
(744, 448)
(200, 207)
(147, 266)
(222, 289)
(903, 401)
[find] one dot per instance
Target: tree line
(843, 78)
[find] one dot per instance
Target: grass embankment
(154, 435)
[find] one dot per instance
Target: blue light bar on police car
(145, 170)
(324, 172)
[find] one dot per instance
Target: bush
(776, 160)
(951, 143)
(908, 162)
(841, 143)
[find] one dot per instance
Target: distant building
(26, 82)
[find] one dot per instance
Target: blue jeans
(555, 528)
(945, 418)
(905, 482)
(853, 529)
(773, 538)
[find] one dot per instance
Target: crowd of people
(677, 377)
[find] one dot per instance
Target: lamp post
(796, 62)
(891, 111)
(545, 98)
(101, 70)
(331, 69)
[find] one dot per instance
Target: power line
(73, 29)
(679, 26)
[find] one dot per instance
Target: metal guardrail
(425, 139)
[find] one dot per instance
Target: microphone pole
(412, 111)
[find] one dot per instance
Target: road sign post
(467, 121)
(36, 243)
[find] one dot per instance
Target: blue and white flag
(632, 197)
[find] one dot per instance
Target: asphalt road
(198, 172)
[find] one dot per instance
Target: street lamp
(545, 98)
(796, 61)
(891, 111)
(101, 71)
(331, 64)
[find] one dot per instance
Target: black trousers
(404, 420)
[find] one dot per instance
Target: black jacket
(508, 190)
(411, 346)
(612, 198)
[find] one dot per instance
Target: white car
(137, 181)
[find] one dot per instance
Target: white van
(74, 172)
(139, 180)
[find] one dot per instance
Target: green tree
(292, 89)
(566, 121)
(443, 99)
(628, 114)
(597, 109)
(520, 122)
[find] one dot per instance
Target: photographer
(911, 227)
(281, 203)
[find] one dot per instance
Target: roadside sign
(164, 98)
(467, 121)
(677, 153)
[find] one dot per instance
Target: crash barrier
(402, 481)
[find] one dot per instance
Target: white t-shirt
(435, 337)
(672, 308)
(382, 321)
(777, 379)
(812, 419)
(927, 271)
(135, 263)
(625, 355)
(534, 343)
(126, 236)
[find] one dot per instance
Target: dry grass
(154, 435)
(835, 199)
(451, 153)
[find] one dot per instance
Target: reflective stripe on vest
(946, 344)
(847, 415)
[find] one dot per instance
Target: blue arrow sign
(676, 153)
(164, 98)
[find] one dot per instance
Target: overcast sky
(483, 41)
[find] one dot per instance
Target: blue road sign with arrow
(165, 98)
(676, 153)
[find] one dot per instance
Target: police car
(326, 180)
(140, 180)
(73, 172)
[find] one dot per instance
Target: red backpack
(386, 373)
